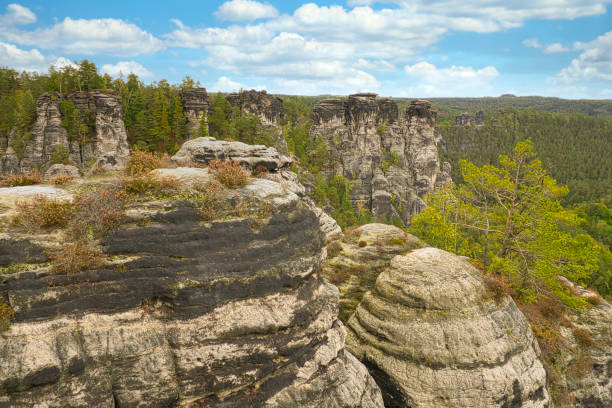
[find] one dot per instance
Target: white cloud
(17, 15)
(593, 64)
(555, 48)
(532, 43)
(379, 65)
(22, 60)
(97, 36)
(245, 10)
(450, 81)
(125, 68)
(225, 84)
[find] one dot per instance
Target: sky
(401, 48)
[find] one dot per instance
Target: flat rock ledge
(203, 150)
(432, 338)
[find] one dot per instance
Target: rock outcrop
(431, 337)
(203, 150)
(583, 362)
(357, 257)
(465, 119)
(391, 159)
(268, 108)
(186, 311)
(105, 146)
(195, 108)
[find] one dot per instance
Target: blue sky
(411, 48)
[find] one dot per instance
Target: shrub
(61, 179)
(43, 212)
(6, 315)
(497, 287)
(362, 244)
(97, 212)
(26, 179)
(139, 184)
(76, 257)
(60, 155)
(229, 172)
(141, 163)
(583, 337)
(260, 171)
(334, 248)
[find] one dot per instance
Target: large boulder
(431, 337)
(203, 150)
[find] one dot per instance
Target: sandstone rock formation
(356, 258)
(59, 169)
(465, 119)
(195, 108)
(106, 147)
(202, 150)
(228, 312)
(391, 159)
(431, 337)
(266, 107)
(585, 358)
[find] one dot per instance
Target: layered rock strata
(268, 108)
(390, 158)
(465, 119)
(106, 146)
(585, 358)
(195, 108)
(357, 257)
(228, 312)
(431, 337)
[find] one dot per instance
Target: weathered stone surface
(59, 169)
(202, 150)
(465, 119)
(108, 147)
(587, 368)
(391, 159)
(189, 176)
(187, 312)
(266, 107)
(195, 108)
(431, 337)
(356, 258)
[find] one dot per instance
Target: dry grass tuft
(42, 212)
(260, 171)
(76, 257)
(141, 163)
(497, 288)
(583, 337)
(26, 179)
(97, 213)
(6, 316)
(61, 180)
(229, 172)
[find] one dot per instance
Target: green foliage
(60, 155)
(6, 316)
(510, 219)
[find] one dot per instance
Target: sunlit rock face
(390, 158)
(105, 147)
(186, 311)
(431, 337)
(195, 108)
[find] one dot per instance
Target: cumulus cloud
(125, 68)
(593, 64)
(17, 15)
(245, 10)
(532, 43)
(80, 36)
(379, 65)
(555, 48)
(449, 81)
(22, 60)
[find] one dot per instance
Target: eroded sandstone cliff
(390, 158)
(104, 146)
(431, 337)
(195, 108)
(186, 311)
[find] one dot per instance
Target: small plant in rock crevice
(76, 257)
(229, 172)
(141, 163)
(6, 316)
